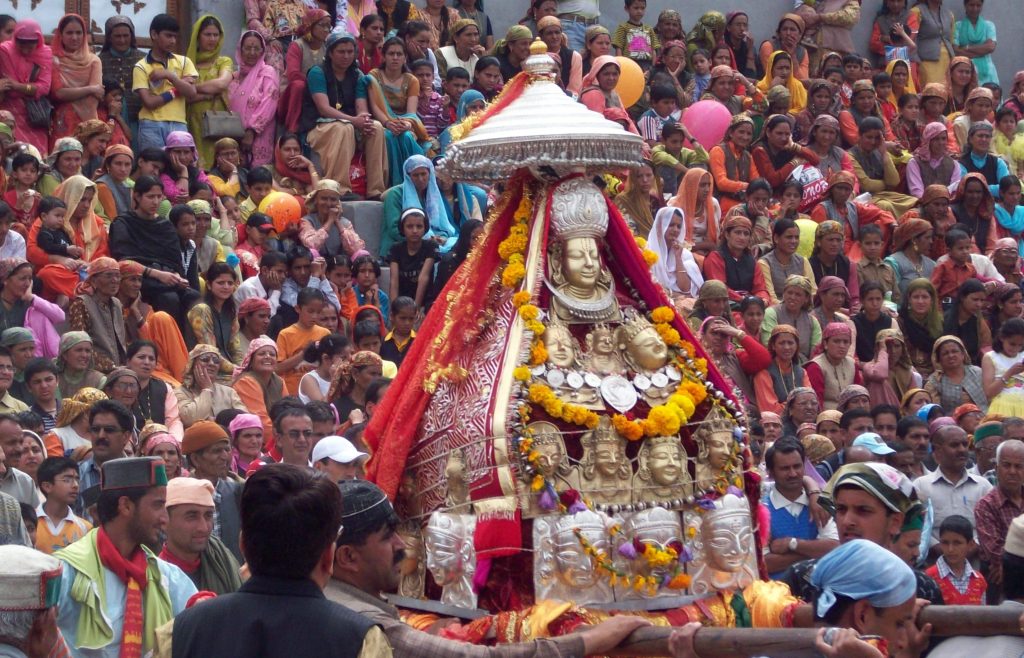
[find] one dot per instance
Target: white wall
(764, 14)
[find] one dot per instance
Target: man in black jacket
(290, 519)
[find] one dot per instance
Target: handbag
(39, 109)
(222, 123)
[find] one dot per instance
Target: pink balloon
(707, 121)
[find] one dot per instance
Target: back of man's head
(290, 516)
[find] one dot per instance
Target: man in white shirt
(794, 534)
(951, 488)
(267, 284)
(12, 245)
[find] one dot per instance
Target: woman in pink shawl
(26, 64)
(253, 94)
(77, 79)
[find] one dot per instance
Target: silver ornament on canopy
(544, 130)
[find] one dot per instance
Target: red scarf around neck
(131, 572)
(185, 565)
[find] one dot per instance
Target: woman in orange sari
(77, 78)
(59, 274)
(701, 212)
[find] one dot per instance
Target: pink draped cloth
(253, 93)
(17, 68)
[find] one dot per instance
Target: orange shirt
(292, 340)
(53, 535)
(949, 274)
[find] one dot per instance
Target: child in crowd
(487, 77)
(41, 379)
(260, 185)
(109, 111)
(700, 62)
(431, 107)
(1001, 370)
(59, 526)
(635, 40)
(456, 81)
(664, 109)
(293, 340)
(326, 354)
(184, 221)
(339, 273)
(368, 292)
(871, 267)
(671, 159)
(149, 162)
(1009, 212)
(21, 194)
(258, 228)
(52, 238)
(412, 260)
(949, 274)
(834, 76)
(399, 339)
(882, 83)
(907, 126)
(959, 582)
(853, 70)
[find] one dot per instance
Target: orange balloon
(631, 81)
(283, 208)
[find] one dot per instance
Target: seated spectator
(412, 259)
(333, 112)
(293, 340)
(418, 189)
(65, 161)
(832, 371)
(143, 323)
(246, 432)
(41, 380)
(780, 70)
(731, 164)
(777, 384)
(875, 169)
(201, 396)
(463, 49)
(59, 526)
(97, 311)
(156, 441)
(303, 54)
(70, 436)
(348, 390)
(827, 258)
(182, 168)
(227, 175)
(257, 384)
(955, 380)
(676, 270)
(326, 354)
(75, 364)
(794, 310)
(398, 341)
(733, 262)
(156, 401)
(822, 140)
(214, 321)
(324, 229)
(114, 185)
(292, 172)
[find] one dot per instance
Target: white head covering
(664, 271)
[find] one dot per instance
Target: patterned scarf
(133, 574)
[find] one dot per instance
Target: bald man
(951, 488)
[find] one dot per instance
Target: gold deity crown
(544, 433)
(605, 432)
(635, 323)
(714, 423)
(578, 210)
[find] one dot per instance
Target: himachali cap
(31, 579)
(133, 472)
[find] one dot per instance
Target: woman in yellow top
(215, 72)
(780, 72)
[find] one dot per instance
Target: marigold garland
(571, 413)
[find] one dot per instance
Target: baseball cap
(260, 221)
(337, 449)
(874, 443)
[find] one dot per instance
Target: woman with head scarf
(828, 259)
(921, 322)
(96, 311)
(734, 263)
(599, 88)
(955, 380)
(676, 270)
(26, 63)
(94, 135)
(776, 385)
(777, 155)
(323, 228)
(783, 260)
(201, 396)
(712, 300)
(779, 72)
(228, 176)
(863, 104)
(976, 156)
(830, 299)
(118, 57)
(596, 43)
(72, 431)
(794, 310)
(964, 319)
(348, 390)
(890, 374)
(738, 355)
(701, 211)
(215, 70)
(961, 80)
(737, 38)
(75, 364)
(731, 164)
(839, 206)
(143, 323)
(549, 29)
(911, 244)
(471, 102)
(114, 185)
(512, 50)
(253, 93)
(77, 77)
(463, 49)
(65, 161)
(787, 38)
(418, 189)
(876, 170)
(832, 371)
(256, 383)
(980, 107)
(246, 433)
(931, 163)
(156, 441)
(304, 53)
(822, 140)
(19, 307)
(975, 209)
(181, 166)
(641, 198)
(253, 320)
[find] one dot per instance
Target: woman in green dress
(215, 71)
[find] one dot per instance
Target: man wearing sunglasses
(110, 425)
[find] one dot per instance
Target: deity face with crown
(561, 345)
(658, 527)
(575, 567)
(582, 288)
(724, 558)
(641, 344)
(662, 475)
(448, 539)
(548, 444)
(605, 470)
(715, 441)
(562, 569)
(602, 356)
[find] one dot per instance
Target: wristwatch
(793, 544)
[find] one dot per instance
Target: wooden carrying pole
(946, 621)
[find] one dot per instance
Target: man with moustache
(870, 501)
(914, 432)
(208, 448)
(110, 426)
(115, 592)
(951, 488)
(367, 563)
